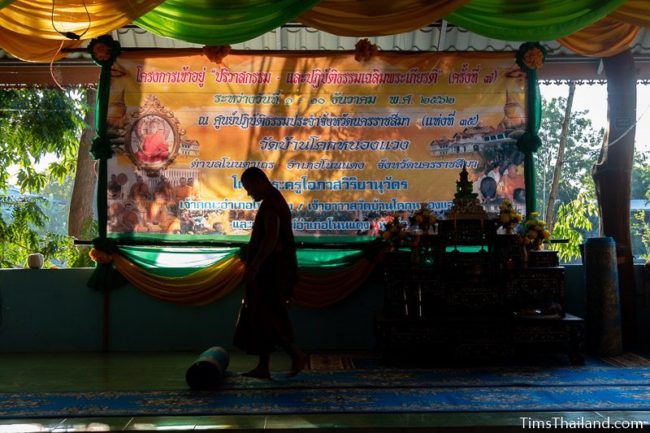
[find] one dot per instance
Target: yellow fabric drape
(34, 49)
(376, 17)
(604, 38)
(314, 290)
(199, 288)
(318, 290)
(35, 17)
(635, 12)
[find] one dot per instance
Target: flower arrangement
(104, 50)
(216, 53)
(534, 58)
(423, 218)
(535, 232)
(531, 56)
(364, 50)
(509, 218)
(394, 231)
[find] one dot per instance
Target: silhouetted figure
(271, 270)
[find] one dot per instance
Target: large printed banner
(346, 141)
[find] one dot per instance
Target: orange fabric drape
(314, 290)
(604, 38)
(199, 288)
(35, 49)
(29, 29)
(318, 290)
(91, 18)
(635, 12)
(376, 17)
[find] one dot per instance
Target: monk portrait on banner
(152, 138)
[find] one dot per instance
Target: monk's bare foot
(258, 373)
(298, 363)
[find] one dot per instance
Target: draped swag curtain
(32, 29)
(199, 276)
(220, 22)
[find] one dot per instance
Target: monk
(153, 148)
(139, 190)
(183, 190)
(271, 268)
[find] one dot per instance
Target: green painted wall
(53, 311)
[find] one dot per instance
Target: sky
(594, 99)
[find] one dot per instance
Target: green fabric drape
(534, 122)
(198, 276)
(175, 262)
(215, 272)
(179, 261)
(103, 50)
(199, 287)
(539, 20)
(223, 240)
(530, 57)
(220, 22)
(319, 258)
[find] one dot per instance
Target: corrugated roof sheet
(436, 37)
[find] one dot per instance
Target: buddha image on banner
(346, 142)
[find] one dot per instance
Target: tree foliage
(582, 146)
(574, 221)
(641, 176)
(23, 231)
(641, 227)
(640, 224)
(574, 207)
(34, 123)
(39, 141)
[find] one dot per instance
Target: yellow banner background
(341, 138)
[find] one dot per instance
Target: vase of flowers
(394, 231)
(535, 233)
(509, 217)
(423, 218)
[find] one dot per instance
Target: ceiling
(561, 63)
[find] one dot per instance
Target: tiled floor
(165, 371)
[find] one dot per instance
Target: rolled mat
(208, 371)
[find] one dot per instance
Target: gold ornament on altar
(535, 233)
(466, 204)
(509, 218)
